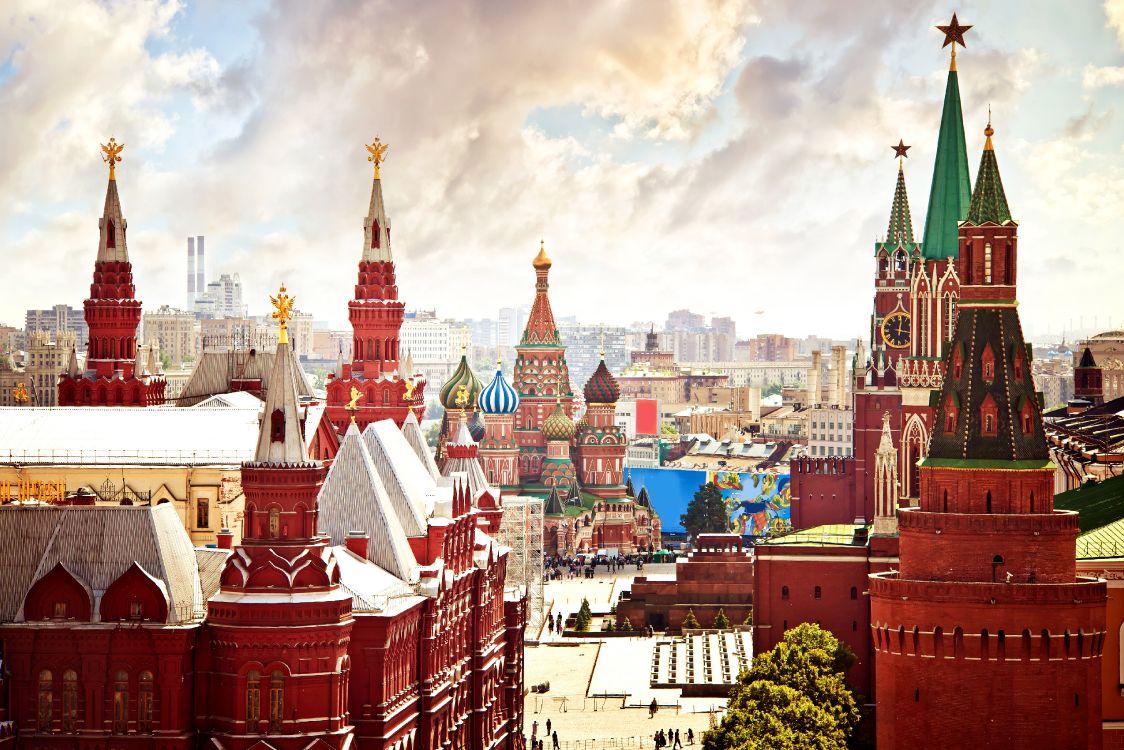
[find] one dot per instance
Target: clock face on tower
(895, 330)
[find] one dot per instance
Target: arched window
(145, 703)
(946, 501)
(899, 261)
(938, 642)
(818, 592)
(69, 700)
(253, 701)
(277, 426)
(121, 703)
(784, 592)
(1026, 644)
(854, 592)
(989, 501)
(110, 235)
(276, 701)
(957, 642)
(1045, 645)
(46, 700)
(386, 397)
(274, 523)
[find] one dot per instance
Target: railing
(107, 456)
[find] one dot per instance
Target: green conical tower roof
(951, 190)
(554, 505)
(989, 203)
(900, 230)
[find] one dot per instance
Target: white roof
(234, 399)
(116, 435)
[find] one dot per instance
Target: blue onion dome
(558, 426)
(602, 387)
(460, 391)
(498, 397)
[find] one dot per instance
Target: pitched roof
(541, 330)
(377, 225)
(280, 439)
(554, 505)
(411, 488)
(989, 202)
(97, 544)
(900, 229)
(1087, 359)
(354, 498)
(411, 428)
(116, 250)
(977, 329)
(950, 191)
(215, 370)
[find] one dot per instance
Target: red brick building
(116, 373)
(986, 636)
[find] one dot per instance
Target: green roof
(989, 203)
(900, 229)
(951, 191)
(829, 535)
(1098, 505)
(985, 463)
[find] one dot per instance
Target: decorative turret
(112, 314)
(461, 390)
(554, 506)
(541, 328)
(602, 388)
(600, 443)
(1088, 380)
(499, 454)
(886, 483)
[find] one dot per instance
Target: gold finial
(111, 154)
(353, 404)
(988, 131)
(283, 313)
(377, 151)
(602, 343)
(408, 394)
(542, 260)
(19, 393)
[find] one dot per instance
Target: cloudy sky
(728, 156)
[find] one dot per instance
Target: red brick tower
(112, 377)
(375, 385)
(541, 376)
(280, 625)
(895, 258)
(600, 443)
(987, 637)
(1088, 381)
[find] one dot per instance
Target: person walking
(652, 708)
(690, 736)
(555, 737)
(534, 729)
(678, 742)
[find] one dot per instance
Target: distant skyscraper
(200, 268)
(190, 273)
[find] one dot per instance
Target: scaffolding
(521, 529)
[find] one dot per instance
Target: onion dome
(498, 397)
(476, 426)
(602, 388)
(558, 426)
(461, 390)
(542, 260)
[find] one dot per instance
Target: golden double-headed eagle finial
(111, 154)
(377, 151)
(353, 404)
(283, 313)
(19, 393)
(461, 399)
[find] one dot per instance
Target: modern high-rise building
(59, 318)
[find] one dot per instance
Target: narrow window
(253, 701)
(917, 695)
(46, 700)
(854, 592)
(121, 703)
(202, 513)
(784, 592)
(819, 592)
(136, 610)
(145, 703)
(277, 426)
(989, 424)
(1032, 501)
(60, 610)
(989, 501)
(276, 701)
(110, 235)
(987, 263)
(946, 501)
(854, 625)
(69, 700)
(274, 523)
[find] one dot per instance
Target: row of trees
(794, 697)
(720, 620)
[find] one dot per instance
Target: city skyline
(628, 160)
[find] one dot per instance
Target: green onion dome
(460, 391)
(602, 387)
(558, 426)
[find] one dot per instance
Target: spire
(280, 440)
(1087, 359)
(950, 191)
(541, 328)
(900, 230)
(138, 363)
(554, 505)
(376, 227)
(989, 203)
(886, 443)
(72, 365)
(151, 360)
(111, 246)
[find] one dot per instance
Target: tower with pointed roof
(987, 611)
(1088, 380)
(600, 443)
(542, 377)
(387, 389)
(557, 469)
(458, 397)
(499, 453)
(112, 312)
(284, 574)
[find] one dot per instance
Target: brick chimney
(357, 542)
(225, 539)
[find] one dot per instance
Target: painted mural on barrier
(758, 503)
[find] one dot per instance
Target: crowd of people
(555, 568)
(669, 739)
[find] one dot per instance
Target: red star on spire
(953, 33)
(900, 149)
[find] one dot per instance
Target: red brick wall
(823, 492)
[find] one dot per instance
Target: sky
(728, 156)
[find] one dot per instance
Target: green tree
(772, 389)
(690, 621)
(795, 696)
(721, 620)
(706, 513)
(432, 433)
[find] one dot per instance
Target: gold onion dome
(461, 390)
(542, 260)
(558, 426)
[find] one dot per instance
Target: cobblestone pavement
(599, 695)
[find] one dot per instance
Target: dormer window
(1026, 416)
(277, 426)
(987, 361)
(989, 417)
(950, 413)
(957, 362)
(1019, 359)
(375, 233)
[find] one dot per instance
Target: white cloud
(1094, 77)
(1114, 14)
